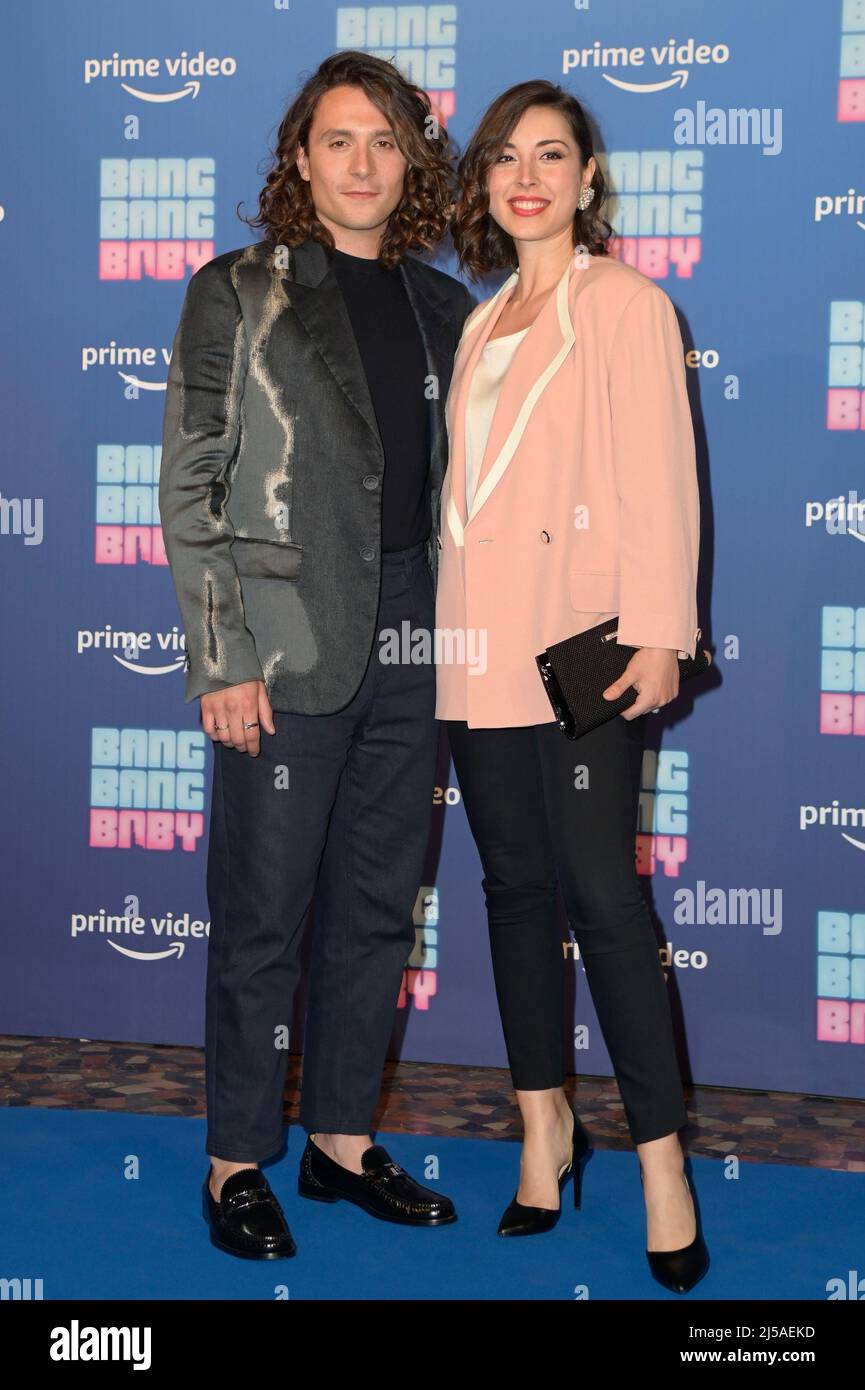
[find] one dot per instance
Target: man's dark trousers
(337, 806)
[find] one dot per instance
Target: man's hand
(237, 715)
(655, 673)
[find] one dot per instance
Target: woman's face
(535, 182)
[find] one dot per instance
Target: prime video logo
(841, 518)
(834, 816)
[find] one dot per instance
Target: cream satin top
(486, 383)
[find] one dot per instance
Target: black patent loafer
(248, 1220)
(384, 1189)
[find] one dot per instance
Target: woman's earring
(586, 195)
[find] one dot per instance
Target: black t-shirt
(392, 352)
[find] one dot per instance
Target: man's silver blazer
(272, 468)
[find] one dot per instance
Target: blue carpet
(74, 1220)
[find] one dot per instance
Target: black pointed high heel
(519, 1220)
(679, 1270)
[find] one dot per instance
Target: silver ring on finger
(253, 725)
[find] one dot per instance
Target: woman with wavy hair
(570, 497)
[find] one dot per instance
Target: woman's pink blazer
(587, 503)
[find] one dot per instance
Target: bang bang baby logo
(851, 76)
(156, 217)
(420, 40)
(127, 505)
(842, 671)
(419, 979)
(146, 788)
(657, 209)
(841, 977)
(662, 824)
(845, 405)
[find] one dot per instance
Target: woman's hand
(655, 673)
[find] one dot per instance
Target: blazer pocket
(594, 591)
(262, 559)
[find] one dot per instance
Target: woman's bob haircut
(481, 244)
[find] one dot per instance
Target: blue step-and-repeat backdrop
(733, 135)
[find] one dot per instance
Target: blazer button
(367, 553)
(370, 482)
(546, 537)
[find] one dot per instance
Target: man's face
(355, 170)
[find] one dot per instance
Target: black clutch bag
(577, 670)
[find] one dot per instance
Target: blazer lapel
(469, 350)
(536, 360)
(314, 294)
(316, 298)
(436, 330)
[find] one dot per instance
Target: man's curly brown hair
(420, 219)
(481, 244)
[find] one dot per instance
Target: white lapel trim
(455, 524)
(508, 449)
(506, 453)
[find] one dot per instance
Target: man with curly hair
(304, 448)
